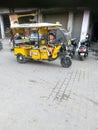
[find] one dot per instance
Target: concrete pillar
(70, 23)
(2, 27)
(85, 24)
(39, 17)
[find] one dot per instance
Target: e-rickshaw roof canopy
(35, 25)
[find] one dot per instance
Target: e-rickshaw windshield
(63, 35)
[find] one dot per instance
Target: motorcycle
(1, 46)
(82, 52)
(71, 47)
(83, 48)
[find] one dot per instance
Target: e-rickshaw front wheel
(21, 58)
(66, 62)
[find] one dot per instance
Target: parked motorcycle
(83, 52)
(71, 47)
(83, 48)
(94, 49)
(1, 46)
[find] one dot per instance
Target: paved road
(45, 96)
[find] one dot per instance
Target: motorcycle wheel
(81, 58)
(71, 54)
(66, 62)
(21, 58)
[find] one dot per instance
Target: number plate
(82, 54)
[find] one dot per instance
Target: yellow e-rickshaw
(35, 43)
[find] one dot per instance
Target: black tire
(81, 58)
(66, 62)
(21, 58)
(71, 55)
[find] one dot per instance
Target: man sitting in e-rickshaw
(51, 42)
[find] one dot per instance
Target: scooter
(82, 52)
(83, 49)
(71, 48)
(1, 46)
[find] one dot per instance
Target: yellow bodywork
(43, 31)
(24, 50)
(35, 54)
(69, 42)
(41, 53)
(55, 52)
(44, 52)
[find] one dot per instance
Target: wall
(77, 23)
(53, 18)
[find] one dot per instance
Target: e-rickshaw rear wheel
(21, 58)
(66, 62)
